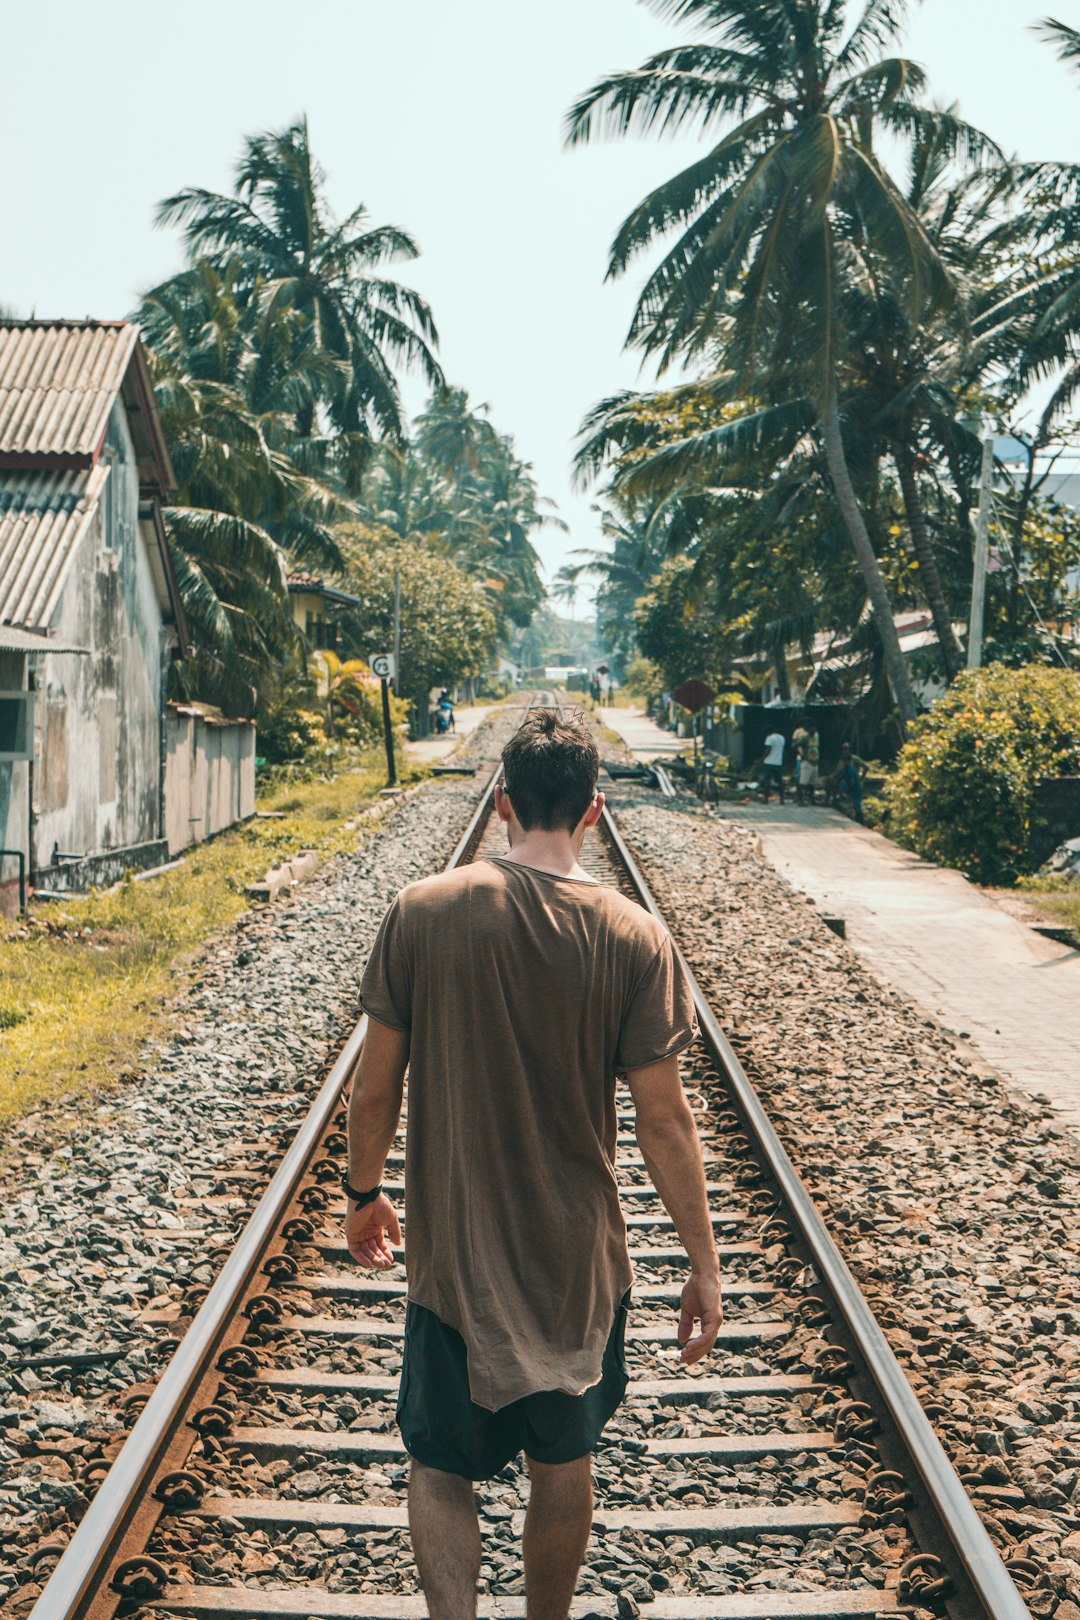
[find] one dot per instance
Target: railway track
(793, 1475)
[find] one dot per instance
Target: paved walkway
(433, 750)
(936, 938)
(644, 738)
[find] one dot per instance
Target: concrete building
(90, 615)
(316, 610)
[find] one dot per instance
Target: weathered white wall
(97, 779)
(14, 795)
(209, 775)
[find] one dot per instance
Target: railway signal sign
(384, 665)
(693, 695)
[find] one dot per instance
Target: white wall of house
(209, 775)
(97, 776)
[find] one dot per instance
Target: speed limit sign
(382, 665)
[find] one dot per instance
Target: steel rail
(978, 1557)
(93, 1548)
(88, 1555)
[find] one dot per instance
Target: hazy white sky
(444, 116)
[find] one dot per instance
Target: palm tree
(461, 490)
(759, 266)
(451, 436)
(1034, 322)
(251, 496)
(910, 376)
(290, 252)
(639, 534)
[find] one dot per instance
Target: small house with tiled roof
(90, 615)
(316, 610)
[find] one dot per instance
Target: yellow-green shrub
(965, 782)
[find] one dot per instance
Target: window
(16, 725)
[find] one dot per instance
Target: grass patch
(1055, 899)
(85, 982)
(1063, 909)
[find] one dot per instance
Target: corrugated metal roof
(27, 641)
(58, 380)
(42, 518)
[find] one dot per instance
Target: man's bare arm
(374, 1112)
(668, 1139)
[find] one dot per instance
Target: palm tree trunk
(951, 650)
(783, 683)
(876, 590)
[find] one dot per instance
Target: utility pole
(982, 529)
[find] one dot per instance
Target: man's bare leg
(557, 1528)
(445, 1533)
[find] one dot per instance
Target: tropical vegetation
(277, 354)
(851, 280)
(964, 790)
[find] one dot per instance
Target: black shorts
(443, 1428)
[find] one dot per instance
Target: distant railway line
(795, 1475)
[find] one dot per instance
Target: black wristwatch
(360, 1198)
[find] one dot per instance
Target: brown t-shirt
(524, 993)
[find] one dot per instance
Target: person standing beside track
(772, 768)
(516, 989)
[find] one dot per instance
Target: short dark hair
(550, 766)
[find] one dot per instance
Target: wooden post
(388, 732)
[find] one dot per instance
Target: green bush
(644, 681)
(964, 785)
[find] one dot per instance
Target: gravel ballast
(954, 1201)
(140, 1203)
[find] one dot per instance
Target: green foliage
(644, 682)
(551, 638)
(676, 622)
(963, 790)
(447, 628)
(290, 732)
(274, 355)
(459, 489)
(289, 254)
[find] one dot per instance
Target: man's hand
(370, 1231)
(701, 1303)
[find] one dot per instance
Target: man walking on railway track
(515, 989)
